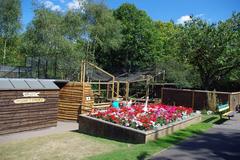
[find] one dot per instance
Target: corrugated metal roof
(27, 84)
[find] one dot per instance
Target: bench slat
(222, 107)
(230, 113)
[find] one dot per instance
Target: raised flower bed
(137, 124)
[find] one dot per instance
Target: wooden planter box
(101, 128)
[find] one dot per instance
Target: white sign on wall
(31, 94)
(88, 98)
(29, 100)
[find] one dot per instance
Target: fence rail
(199, 99)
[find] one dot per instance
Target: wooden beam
(93, 65)
(81, 71)
(123, 82)
(193, 99)
(127, 90)
(84, 72)
(107, 91)
(118, 85)
(162, 95)
(140, 80)
(100, 82)
(99, 88)
(113, 87)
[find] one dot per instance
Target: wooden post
(107, 90)
(162, 94)
(229, 102)
(147, 87)
(81, 72)
(84, 71)
(93, 65)
(193, 99)
(113, 87)
(99, 88)
(118, 85)
(83, 97)
(127, 90)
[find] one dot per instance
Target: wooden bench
(224, 110)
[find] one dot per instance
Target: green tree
(10, 14)
(212, 48)
(138, 47)
(104, 34)
(167, 42)
(47, 36)
(74, 25)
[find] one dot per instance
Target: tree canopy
(138, 32)
(195, 54)
(10, 14)
(213, 49)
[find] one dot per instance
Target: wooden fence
(199, 99)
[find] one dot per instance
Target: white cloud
(183, 19)
(75, 4)
(52, 6)
(62, 1)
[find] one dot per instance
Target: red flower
(136, 117)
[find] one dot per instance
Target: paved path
(61, 127)
(222, 142)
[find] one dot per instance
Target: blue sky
(164, 10)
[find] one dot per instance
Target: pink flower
(135, 117)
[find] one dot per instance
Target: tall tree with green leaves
(139, 36)
(167, 56)
(49, 36)
(212, 48)
(104, 36)
(10, 14)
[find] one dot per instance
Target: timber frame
(113, 85)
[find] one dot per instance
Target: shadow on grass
(142, 155)
(220, 121)
(211, 119)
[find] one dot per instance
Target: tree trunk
(205, 81)
(55, 67)
(4, 51)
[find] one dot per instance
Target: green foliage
(167, 42)
(138, 33)
(212, 48)
(10, 14)
(104, 33)
(167, 58)
(73, 25)
(44, 34)
(196, 54)
(48, 36)
(182, 74)
(9, 18)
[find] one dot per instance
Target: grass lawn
(71, 146)
(64, 146)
